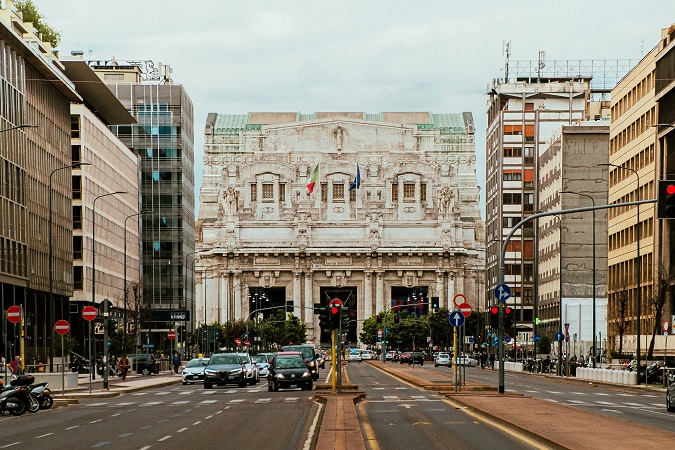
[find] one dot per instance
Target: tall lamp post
(124, 318)
(52, 308)
(192, 289)
(593, 305)
(92, 365)
(638, 268)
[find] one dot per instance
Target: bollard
(615, 376)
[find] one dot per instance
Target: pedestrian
(113, 362)
(15, 366)
(124, 367)
(492, 361)
(176, 363)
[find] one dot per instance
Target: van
(143, 363)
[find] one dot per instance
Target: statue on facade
(445, 198)
(230, 201)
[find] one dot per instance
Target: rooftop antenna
(542, 62)
(506, 51)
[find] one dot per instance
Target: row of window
(631, 97)
(622, 275)
(635, 129)
(338, 194)
(646, 191)
(628, 236)
(637, 162)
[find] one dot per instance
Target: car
(367, 354)
(251, 369)
(412, 358)
(389, 356)
(309, 354)
(289, 370)
(263, 364)
(670, 393)
(354, 355)
(269, 356)
(442, 359)
(193, 371)
(466, 361)
(143, 363)
(224, 368)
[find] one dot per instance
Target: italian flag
(313, 178)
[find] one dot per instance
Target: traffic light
(508, 317)
(334, 315)
(289, 307)
(112, 326)
(494, 317)
(397, 319)
(666, 199)
(344, 317)
(434, 302)
(324, 320)
(379, 318)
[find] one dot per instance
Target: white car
(442, 359)
(263, 364)
(367, 354)
(354, 355)
(193, 371)
(251, 370)
(466, 361)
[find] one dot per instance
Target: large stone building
(409, 232)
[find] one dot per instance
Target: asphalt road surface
(172, 417)
(396, 415)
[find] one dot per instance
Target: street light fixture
(593, 201)
(192, 309)
(92, 365)
(124, 319)
(16, 127)
(52, 307)
(638, 269)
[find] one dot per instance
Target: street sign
(495, 340)
(237, 341)
(247, 343)
(89, 313)
(14, 314)
(461, 296)
(507, 338)
(665, 326)
(171, 335)
(102, 306)
(62, 327)
(559, 336)
(465, 309)
(98, 328)
(456, 319)
(536, 338)
(502, 293)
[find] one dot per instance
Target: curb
(73, 397)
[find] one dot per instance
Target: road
(398, 415)
(644, 408)
(172, 417)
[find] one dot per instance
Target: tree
(657, 302)
(370, 328)
(31, 14)
(620, 322)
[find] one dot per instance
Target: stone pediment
(337, 134)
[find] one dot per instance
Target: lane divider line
(312, 429)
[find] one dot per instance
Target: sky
(235, 57)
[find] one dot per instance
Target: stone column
(451, 291)
(379, 292)
(297, 296)
(368, 295)
(236, 281)
(311, 322)
(439, 291)
(200, 285)
(225, 307)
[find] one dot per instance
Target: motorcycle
(43, 395)
(14, 399)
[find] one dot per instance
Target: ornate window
(394, 192)
(267, 192)
(254, 192)
(423, 192)
(408, 191)
(282, 192)
(338, 192)
(324, 192)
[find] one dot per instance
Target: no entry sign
(89, 313)
(465, 308)
(171, 335)
(62, 327)
(14, 314)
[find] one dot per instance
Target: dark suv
(143, 363)
(225, 368)
(289, 370)
(412, 357)
(309, 355)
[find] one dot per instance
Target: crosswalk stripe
(606, 403)
(237, 400)
(182, 402)
(291, 399)
(98, 404)
(185, 393)
(208, 401)
(125, 404)
(634, 404)
(263, 400)
(152, 403)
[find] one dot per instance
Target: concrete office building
(164, 141)
(411, 231)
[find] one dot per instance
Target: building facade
(571, 176)
(408, 231)
(164, 141)
(34, 92)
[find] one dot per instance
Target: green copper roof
(230, 123)
(449, 123)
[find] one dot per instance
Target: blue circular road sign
(456, 319)
(559, 336)
(507, 338)
(536, 338)
(502, 293)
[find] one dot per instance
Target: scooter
(14, 399)
(42, 394)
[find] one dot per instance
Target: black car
(412, 357)
(670, 393)
(308, 354)
(224, 368)
(289, 370)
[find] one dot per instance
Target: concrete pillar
(451, 291)
(238, 313)
(379, 292)
(311, 321)
(368, 295)
(297, 297)
(225, 288)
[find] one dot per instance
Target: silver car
(193, 371)
(442, 359)
(251, 370)
(263, 364)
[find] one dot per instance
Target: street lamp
(593, 201)
(185, 283)
(16, 127)
(52, 307)
(124, 328)
(638, 268)
(92, 365)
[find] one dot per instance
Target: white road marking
(554, 392)
(551, 400)
(418, 396)
(534, 392)
(10, 445)
(70, 428)
(239, 400)
(208, 392)
(575, 393)
(657, 404)
(181, 402)
(185, 393)
(123, 435)
(152, 403)
(601, 393)
(96, 421)
(579, 402)
(401, 388)
(181, 430)
(197, 422)
(390, 396)
(98, 404)
(606, 403)
(163, 439)
(218, 412)
(208, 417)
(625, 395)
(114, 415)
(291, 399)
(308, 441)
(44, 435)
(162, 393)
(208, 401)
(139, 393)
(145, 448)
(378, 389)
(634, 404)
(263, 400)
(125, 404)
(612, 410)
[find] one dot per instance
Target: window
(528, 155)
(511, 199)
(394, 192)
(77, 217)
(513, 130)
(512, 152)
(254, 192)
(113, 77)
(423, 192)
(512, 176)
(512, 269)
(77, 247)
(324, 192)
(352, 195)
(77, 186)
(282, 192)
(75, 126)
(267, 192)
(78, 281)
(338, 192)
(529, 106)
(408, 191)
(76, 153)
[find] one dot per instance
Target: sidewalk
(115, 386)
(552, 424)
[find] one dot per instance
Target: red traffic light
(494, 310)
(670, 189)
(334, 310)
(507, 310)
